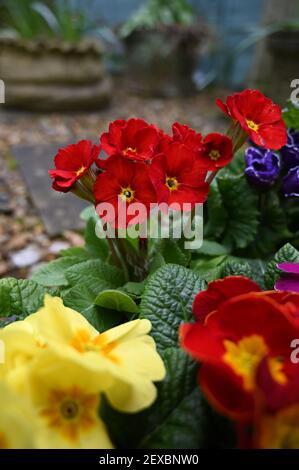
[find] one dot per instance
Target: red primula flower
(238, 327)
(217, 151)
(122, 184)
(186, 135)
(134, 139)
(258, 116)
(178, 176)
(72, 162)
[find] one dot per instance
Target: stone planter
(53, 76)
(283, 48)
(161, 62)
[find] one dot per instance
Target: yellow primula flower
(18, 423)
(123, 361)
(66, 399)
(19, 347)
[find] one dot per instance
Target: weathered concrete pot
(52, 76)
(161, 61)
(283, 47)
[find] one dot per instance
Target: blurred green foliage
(28, 19)
(159, 12)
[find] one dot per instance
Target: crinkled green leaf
(20, 297)
(167, 302)
(97, 271)
(53, 273)
(272, 228)
(233, 215)
(236, 268)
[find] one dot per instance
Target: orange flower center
(80, 171)
(71, 412)
(252, 125)
(3, 441)
(84, 342)
(214, 155)
(127, 194)
(172, 183)
(130, 150)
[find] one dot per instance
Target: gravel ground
(24, 242)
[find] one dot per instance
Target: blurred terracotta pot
(50, 75)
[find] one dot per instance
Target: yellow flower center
(83, 342)
(214, 155)
(172, 183)
(252, 125)
(71, 412)
(276, 370)
(80, 171)
(244, 356)
(3, 441)
(127, 194)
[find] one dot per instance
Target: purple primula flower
(290, 185)
(290, 152)
(262, 167)
(290, 279)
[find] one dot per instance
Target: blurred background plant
(29, 19)
(156, 13)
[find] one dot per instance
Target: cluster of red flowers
(242, 337)
(145, 165)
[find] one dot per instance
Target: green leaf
(97, 247)
(134, 289)
(240, 203)
(116, 300)
(156, 262)
(291, 115)
(217, 215)
(176, 421)
(236, 166)
(209, 268)
(286, 253)
(173, 253)
(233, 215)
(89, 213)
(212, 248)
(82, 299)
(53, 273)
(20, 297)
(77, 252)
(97, 272)
(235, 268)
(167, 302)
(272, 228)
